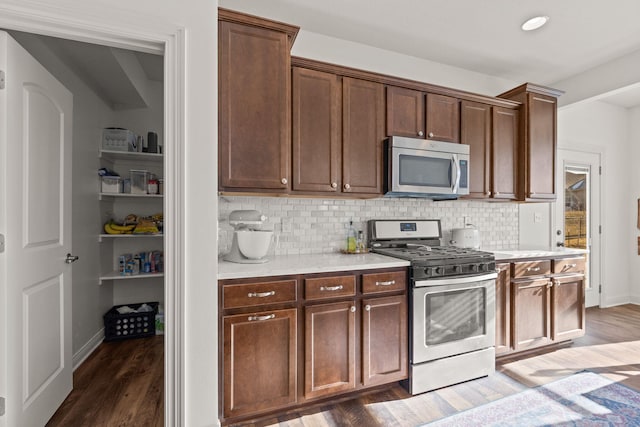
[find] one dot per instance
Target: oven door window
(454, 315)
(425, 171)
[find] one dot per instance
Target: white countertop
(511, 254)
(307, 264)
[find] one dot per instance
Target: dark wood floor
(121, 384)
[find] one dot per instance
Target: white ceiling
(478, 35)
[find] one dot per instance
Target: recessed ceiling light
(535, 23)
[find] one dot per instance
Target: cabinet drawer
(253, 294)
(384, 282)
(569, 265)
(530, 268)
(329, 287)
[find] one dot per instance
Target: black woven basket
(131, 325)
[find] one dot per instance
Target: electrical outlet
(537, 217)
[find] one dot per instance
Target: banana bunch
(111, 227)
(146, 226)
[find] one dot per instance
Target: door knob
(559, 244)
(71, 258)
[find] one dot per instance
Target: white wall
(597, 126)
(151, 20)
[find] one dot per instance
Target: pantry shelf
(130, 155)
(127, 236)
(117, 276)
(102, 196)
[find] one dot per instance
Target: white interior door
(577, 212)
(35, 218)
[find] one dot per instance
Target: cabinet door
(443, 118)
(503, 309)
(253, 108)
(259, 361)
(405, 112)
(531, 305)
(568, 307)
(504, 153)
(384, 340)
(316, 131)
(330, 349)
(541, 147)
(362, 135)
(476, 132)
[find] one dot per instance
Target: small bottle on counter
(351, 238)
(360, 242)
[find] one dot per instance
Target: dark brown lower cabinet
(384, 340)
(568, 307)
(259, 361)
(292, 340)
(539, 302)
(330, 349)
(531, 304)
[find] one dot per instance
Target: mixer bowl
(254, 244)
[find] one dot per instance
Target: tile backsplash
(305, 225)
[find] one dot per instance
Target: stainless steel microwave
(425, 168)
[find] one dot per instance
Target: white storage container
(115, 139)
(111, 184)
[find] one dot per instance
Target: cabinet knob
(347, 187)
(284, 181)
(497, 193)
(420, 133)
(353, 308)
(488, 193)
(367, 307)
(334, 185)
(430, 134)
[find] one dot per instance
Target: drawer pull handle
(387, 283)
(533, 268)
(568, 267)
(260, 318)
(331, 288)
(261, 294)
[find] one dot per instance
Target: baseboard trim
(88, 348)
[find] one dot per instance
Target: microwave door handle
(454, 166)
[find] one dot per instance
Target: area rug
(582, 399)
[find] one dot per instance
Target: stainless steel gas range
(452, 303)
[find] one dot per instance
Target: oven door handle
(455, 280)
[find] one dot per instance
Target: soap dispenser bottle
(351, 238)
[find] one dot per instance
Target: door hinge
(1, 406)
(1, 79)
(599, 229)
(599, 289)
(1, 243)
(599, 170)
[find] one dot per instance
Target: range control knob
(474, 267)
(483, 267)
(439, 271)
(457, 269)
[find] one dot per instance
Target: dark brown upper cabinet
(317, 141)
(504, 153)
(443, 118)
(537, 154)
(405, 112)
(362, 136)
(254, 113)
(476, 132)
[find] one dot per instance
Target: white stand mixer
(250, 245)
